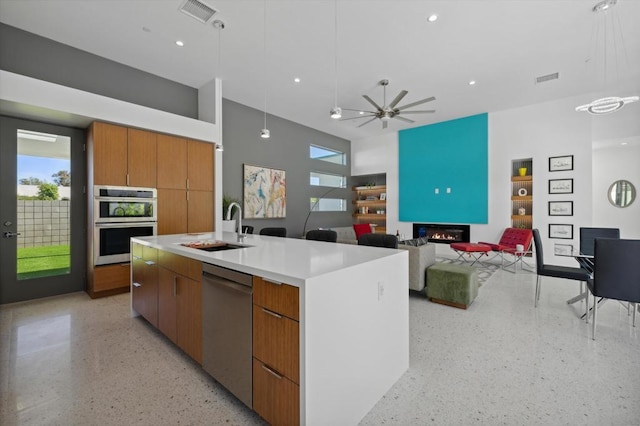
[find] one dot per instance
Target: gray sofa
(420, 258)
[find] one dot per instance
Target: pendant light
(607, 104)
(219, 25)
(264, 133)
(336, 111)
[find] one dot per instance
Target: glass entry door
(42, 210)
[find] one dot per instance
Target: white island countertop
(290, 260)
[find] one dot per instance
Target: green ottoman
(453, 285)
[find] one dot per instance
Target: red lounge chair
(511, 238)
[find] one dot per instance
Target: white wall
(536, 131)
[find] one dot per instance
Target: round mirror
(621, 193)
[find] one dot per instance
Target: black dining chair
(378, 240)
(588, 236)
(274, 232)
(322, 235)
(545, 270)
(616, 274)
(247, 229)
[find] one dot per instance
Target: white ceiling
(502, 44)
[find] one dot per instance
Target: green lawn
(42, 261)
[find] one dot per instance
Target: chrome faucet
(241, 235)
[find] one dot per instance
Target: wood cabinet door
(109, 154)
(172, 211)
(144, 297)
(275, 398)
(200, 211)
(276, 342)
(189, 317)
(200, 165)
(111, 277)
(167, 288)
(141, 158)
(172, 162)
(277, 297)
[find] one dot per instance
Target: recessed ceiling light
(432, 18)
(361, 112)
(296, 80)
(472, 82)
(624, 143)
(179, 43)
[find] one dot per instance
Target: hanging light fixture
(219, 25)
(336, 111)
(608, 104)
(265, 133)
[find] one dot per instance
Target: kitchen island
(352, 315)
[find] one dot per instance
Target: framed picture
(560, 208)
(563, 249)
(264, 193)
(560, 186)
(383, 196)
(561, 231)
(557, 164)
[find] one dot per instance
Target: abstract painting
(265, 193)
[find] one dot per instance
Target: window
(327, 204)
(328, 180)
(326, 154)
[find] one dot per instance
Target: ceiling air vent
(198, 10)
(547, 77)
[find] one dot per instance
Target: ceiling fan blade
(368, 121)
(406, 120)
(432, 98)
(354, 118)
(418, 112)
(371, 102)
(358, 110)
(398, 99)
(385, 124)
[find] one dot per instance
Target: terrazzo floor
(70, 360)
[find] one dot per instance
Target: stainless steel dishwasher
(227, 329)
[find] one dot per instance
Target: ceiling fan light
(265, 134)
(336, 113)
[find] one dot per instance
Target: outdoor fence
(43, 223)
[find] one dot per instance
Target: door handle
(10, 234)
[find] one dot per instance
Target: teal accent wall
(452, 154)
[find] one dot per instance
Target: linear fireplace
(443, 233)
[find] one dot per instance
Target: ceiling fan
(387, 112)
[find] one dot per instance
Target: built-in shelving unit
(371, 206)
(522, 193)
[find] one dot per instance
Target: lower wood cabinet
(110, 278)
(144, 286)
(276, 352)
(180, 302)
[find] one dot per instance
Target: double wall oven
(121, 213)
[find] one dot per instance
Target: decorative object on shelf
(621, 193)
(265, 193)
(560, 186)
(561, 163)
(383, 196)
(522, 171)
(609, 49)
(562, 249)
(522, 192)
(522, 211)
(561, 231)
(560, 208)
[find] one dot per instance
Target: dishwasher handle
(213, 279)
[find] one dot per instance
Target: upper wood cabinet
(123, 157)
(141, 158)
(172, 162)
(200, 165)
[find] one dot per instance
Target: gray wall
(28, 54)
(287, 149)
